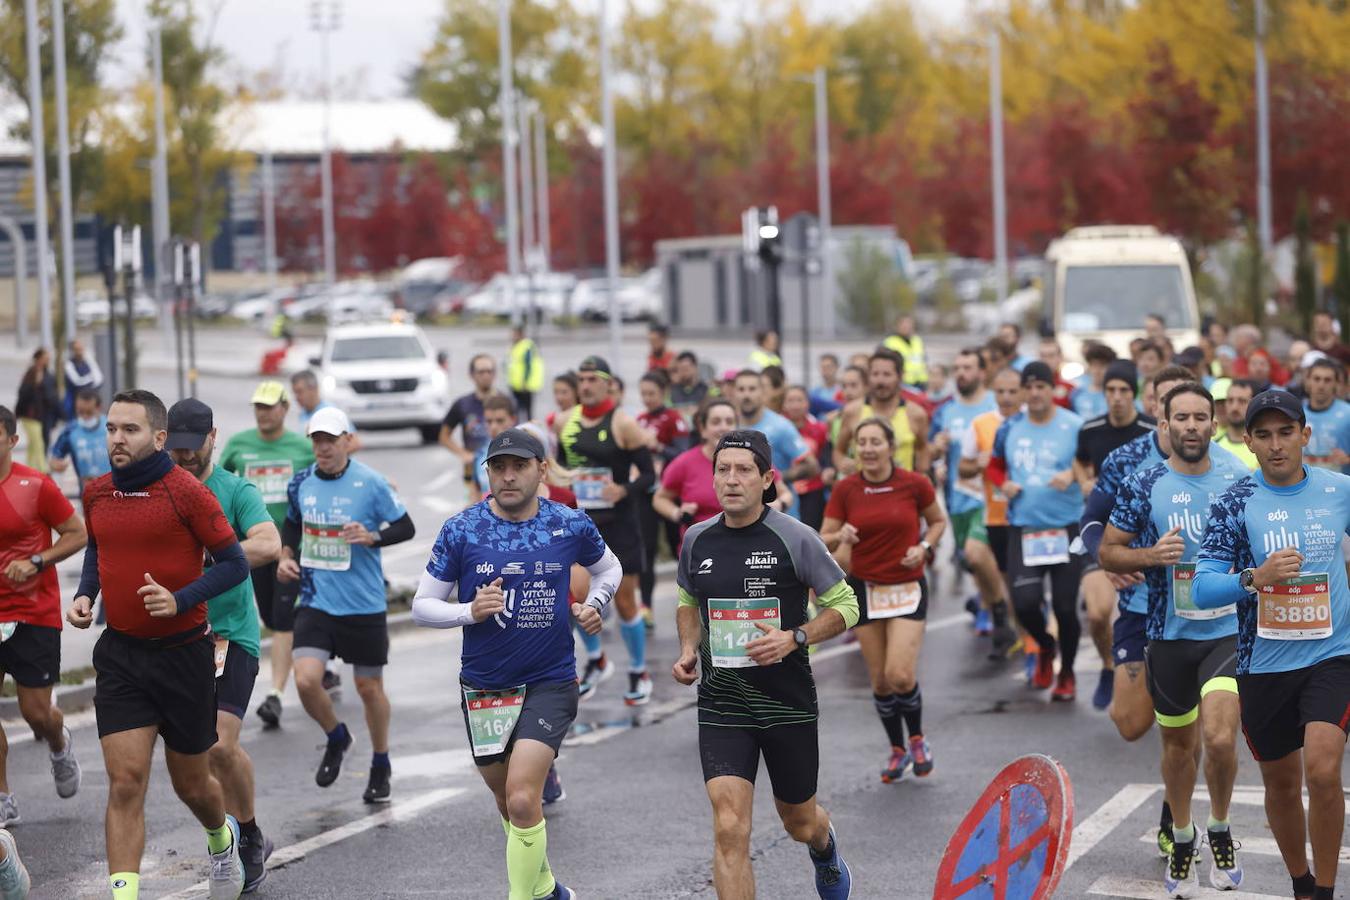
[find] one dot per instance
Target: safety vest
(916, 364)
(904, 434)
(525, 370)
(1237, 448)
(761, 359)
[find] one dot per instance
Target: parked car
(92, 308)
(638, 298)
(428, 287)
(546, 294)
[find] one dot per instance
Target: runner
(873, 524)
(1032, 461)
(1293, 667)
(340, 513)
(1328, 416)
(668, 434)
(687, 495)
(791, 456)
(518, 671)
(1089, 400)
(1156, 528)
(757, 697)
(602, 444)
(31, 508)
(14, 881)
(466, 415)
(234, 622)
(1234, 394)
(268, 457)
(687, 389)
(811, 492)
(907, 420)
(150, 526)
(499, 414)
(84, 440)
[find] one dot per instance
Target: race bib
(589, 486)
(7, 630)
(731, 625)
(324, 547)
(222, 651)
(492, 718)
(1183, 575)
(887, 601)
(1298, 609)
(1045, 548)
(270, 478)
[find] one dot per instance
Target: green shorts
(969, 525)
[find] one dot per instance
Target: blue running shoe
(896, 766)
(553, 789)
(833, 880)
(1226, 874)
(1106, 686)
(560, 892)
(984, 624)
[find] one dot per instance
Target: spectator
(908, 344)
(659, 355)
(82, 371)
(524, 371)
(1326, 336)
(824, 397)
(34, 407)
(766, 350)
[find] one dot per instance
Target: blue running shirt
(531, 641)
(1033, 454)
(1087, 401)
(1330, 432)
(86, 447)
(954, 418)
(1151, 503)
(1253, 519)
(338, 578)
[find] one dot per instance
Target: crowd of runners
(1190, 507)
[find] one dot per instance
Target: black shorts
(791, 755)
(170, 686)
(860, 591)
(1181, 673)
(546, 717)
(1129, 638)
(1277, 705)
(623, 535)
(361, 640)
(998, 542)
(32, 655)
(234, 686)
(276, 599)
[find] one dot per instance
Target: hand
(488, 600)
(1011, 489)
(941, 442)
(1062, 480)
(848, 467)
(356, 533)
(913, 557)
(1123, 582)
(1168, 550)
(158, 599)
(288, 570)
(685, 670)
(848, 535)
(770, 647)
(1280, 565)
(688, 509)
(81, 612)
(466, 457)
(613, 493)
(983, 458)
(829, 476)
(1339, 457)
(20, 571)
(587, 616)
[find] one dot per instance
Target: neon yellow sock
(544, 885)
(125, 885)
(218, 839)
(526, 854)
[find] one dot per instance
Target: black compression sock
(1324, 893)
(888, 709)
(1166, 820)
(1304, 885)
(911, 707)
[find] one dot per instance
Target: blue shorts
(1129, 638)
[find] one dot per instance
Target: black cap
(515, 442)
(190, 421)
(1037, 371)
(1190, 357)
(595, 364)
(1122, 370)
(758, 445)
(1279, 400)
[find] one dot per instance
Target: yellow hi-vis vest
(916, 365)
(525, 369)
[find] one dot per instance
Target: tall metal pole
(541, 183)
(506, 103)
(269, 220)
(159, 193)
(611, 189)
(325, 25)
(823, 203)
(1264, 227)
(527, 241)
(63, 169)
(31, 24)
(996, 155)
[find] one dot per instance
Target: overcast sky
(378, 40)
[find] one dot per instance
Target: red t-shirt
(1064, 393)
(888, 516)
(816, 434)
(666, 424)
(31, 506)
(690, 478)
(161, 529)
(662, 361)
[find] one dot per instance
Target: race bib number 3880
(731, 625)
(1298, 609)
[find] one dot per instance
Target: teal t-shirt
(269, 465)
(233, 615)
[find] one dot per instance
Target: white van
(1102, 280)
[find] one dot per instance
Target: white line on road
(1143, 889)
(443, 479)
(1109, 815)
(396, 812)
(1262, 846)
(1251, 795)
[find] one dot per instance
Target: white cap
(329, 420)
(1311, 357)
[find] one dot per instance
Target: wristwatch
(1247, 578)
(799, 636)
(38, 562)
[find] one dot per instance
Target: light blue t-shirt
(1088, 402)
(954, 418)
(786, 444)
(338, 578)
(86, 447)
(1330, 432)
(1033, 455)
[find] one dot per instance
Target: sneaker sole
(637, 701)
(377, 800)
(1224, 882)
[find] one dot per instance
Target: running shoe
(833, 880)
(1066, 688)
(1182, 878)
(270, 710)
(553, 789)
(648, 618)
(254, 852)
(560, 892)
(9, 810)
(1106, 686)
(639, 689)
(597, 671)
(984, 625)
(1002, 641)
(1165, 831)
(921, 754)
(972, 606)
(66, 768)
(1226, 873)
(14, 881)
(377, 788)
(331, 764)
(1044, 676)
(226, 881)
(895, 767)
(332, 683)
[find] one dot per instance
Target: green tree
(870, 290)
(1305, 270)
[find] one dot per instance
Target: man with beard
(1231, 396)
(791, 455)
(907, 420)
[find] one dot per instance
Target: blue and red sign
(1013, 843)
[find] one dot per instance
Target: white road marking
(1251, 795)
(444, 507)
(1143, 889)
(1262, 846)
(443, 480)
(1110, 814)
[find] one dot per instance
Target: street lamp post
(159, 187)
(1262, 135)
(38, 137)
(996, 163)
(506, 104)
(325, 19)
(541, 185)
(824, 212)
(611, 188)
(63, 169)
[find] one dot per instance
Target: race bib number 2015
(732, 625)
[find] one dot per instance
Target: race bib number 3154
(732, 625)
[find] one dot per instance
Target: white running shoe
(66, 768)
(14, 881)
(226, 881)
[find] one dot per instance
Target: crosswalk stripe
(1261, 846)
(1143, 889)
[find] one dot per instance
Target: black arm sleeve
(397, 532)
(229, 568)
(642, 458)
(89, 580)
(290, 536)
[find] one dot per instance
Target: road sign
(1013, 843)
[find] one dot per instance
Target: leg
(1064, 581)
(1131, 706)
(1100, 597)
(281, 659)
(1218, 726)
(806, 823)
(47, 722)
(527, 866)
(231, 766)
(1283, 779)
(625, 598)
(126, 757)
(196, 786)
(647, 517)
(872, 643)
(1323, 751)
(984, 569)
(1178, 768)
(376, 703)
(904, 640)
(309, 684)
(732, 801)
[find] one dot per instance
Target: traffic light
(762, 237)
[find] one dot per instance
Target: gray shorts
(550, 707)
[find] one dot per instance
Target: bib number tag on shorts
(731, 625)
(1298, 609)
(1045, 548)
(1183, 576)
(7, 630)
(222, 650)
(270, 478)
(324, 547)
(888, 601)
(589, 486)
(492, 718)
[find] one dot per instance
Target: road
(635, 822)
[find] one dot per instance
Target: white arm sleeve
(432, 607)
(606, 573)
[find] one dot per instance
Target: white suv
(384, 376)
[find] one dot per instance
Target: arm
(229, 568)
(1116, 554)
(89, 577)
(261, 544)
(1096, 511)
(606, 575)
(844, 441)
(1215, 584)
(1082, 473)
(664, 503)
(937, 524)
(918, 421)
(71, 537)
(397, 531)
(831, 530)
(806, 466)
(433, 608)
(839, 600)
(690, 627)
